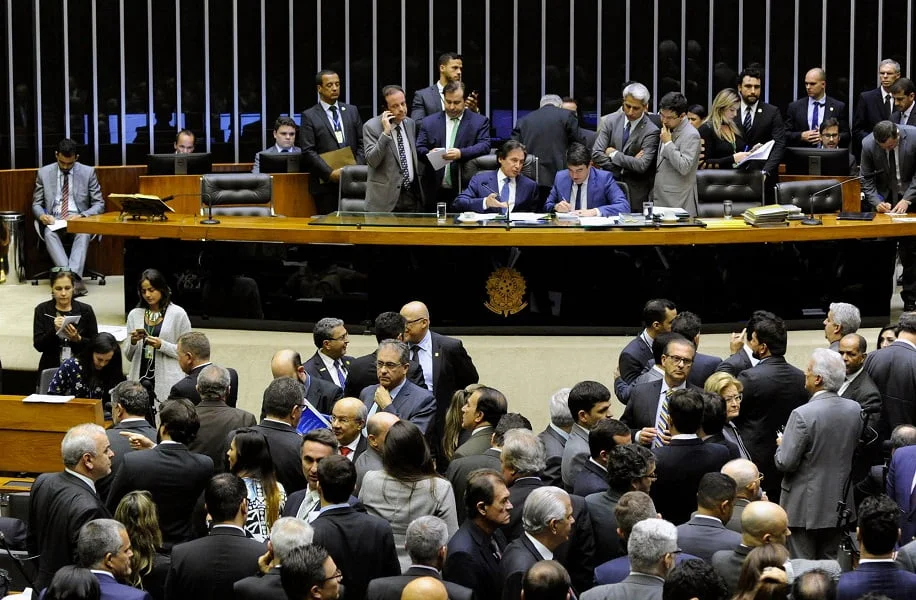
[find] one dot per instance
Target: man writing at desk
(585, 191)
(505, 189)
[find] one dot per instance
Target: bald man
(320, 393)
(446, 365)
(805, 115)
(348, 418)
(376, 430)
(425, 588)
(747, 480)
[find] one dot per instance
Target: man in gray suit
(678, 156)
(479, 416)
(555, 435)
(66, 190)
(652, 549)
(390, 143)
(627, 144)
(394, 393)
(588, 403)
(285, 141)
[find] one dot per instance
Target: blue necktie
(626, 134)
(747, 120)
(402, 155)
(578, 203)
(340, 374)
(815, 121)
(504, 195)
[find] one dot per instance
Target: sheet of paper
(57, 225)
(118, 331)
(527, 216)
(48, 399)
(68, 320)
(598, 221)
(472, 217)
(903, 219)
(761, 153)
(436, 159)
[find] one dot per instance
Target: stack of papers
(721, 223)
(48, 398)
(771, 215)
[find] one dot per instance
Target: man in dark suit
(589, 402)
(427, 546)
(607, 434)
(772, 390)
(362, 545)
(327, 126)
(464, 135)
(284, 138)
(877, 534)
(321, 393)
(857, 384)
(311, 574)
(317, 445)
(394, 393)
(555, 435)
(715, 417)
(348, 418)
(805, 115)
(747, 488)
(547, 133)
(330, 361)
(759, 123)
(282, 408)
(173, 476)
(505, 190)
(484, 408)
(61, 503)
(217, 418)
(393, 183)
(129, 406)
(286, 534)
(104, 547)
(904, 93)
(742, 357)
(476, 548)
(874, 105)
(627, 144)
(431, 100)
(688, 324)
(893, 369)
(362, 372)
(193, 356)
(705, 533)
(636, 356)
(207, 568)
(583, 190)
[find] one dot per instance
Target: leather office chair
(488, 162)
(744, 188)
(237, 194)
(799, 193)
(87, 272)
(352, 196)
(44, 380)
(625, 189)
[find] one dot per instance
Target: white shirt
(82, 478)
(441, 89)
(562, 433)
(501, 180)
(633, 125)
(543, 550)
(352, 446)
(745, 108)
(661, 396)
(820, 110)
(750, 355)
(57, 206)
(329, 364)
(406, 141)
(425, 358)
(329, 115)
(848, 381)
(583, 197)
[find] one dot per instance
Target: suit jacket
(453, 369)
(797, 120)
(893, 369)
(207, 568)
(636, 586)
(735, 364)
(264, 587)
(84, 191)
(772, 390)
(271, 150)
(390, 588)
(284, 442)
(869, 110)
(704, 365)
(187, 387)
(174, 476)
(899, 480)
(876, 186)
(767, 125)
(680, 465)
(59, 504)
(575, 455)
(112, 590)
(719, 438)
(15, 532)
(315, 367)
(361, 544)
(676, 169)
(554, 443)
(322, 394)
(602, 193)
(317, 137)
(294, 502)
(643, 405)
(520, 555)
(734, 524)
(121, 447)
(880, 578)
(413, 403)
(635, 359)
(383, 186)
(459, 469)
(485, 183)
(592, 479)
(608, 544)
(728, 563)
(703, 537)
(547, 133)
(216, 421)
(896, 117)
(478, 443)
(864, 391)
(906, 557)
(471, 562)
(637, 173)
(816, 457)
(426, 101)
(361, 373)
(472, 139)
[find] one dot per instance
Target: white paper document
(57, 225)
(526, 216)
(436, 158)
(68, 320)
(48, 398)
(598, 221)
(118, 331)
(761, 153)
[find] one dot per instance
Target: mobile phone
(140, 332)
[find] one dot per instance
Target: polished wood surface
(424, 231)
(852, 190)
(31, 433)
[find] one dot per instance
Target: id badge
(148, 352)
(339, 136)
(65, 353)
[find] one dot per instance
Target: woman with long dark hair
(149, 565)
(92, 373)
(49, 318)
(73, 583)
(249, 458)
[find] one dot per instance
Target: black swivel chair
(800, 193)
(237, 194)
(87, 272)
(352, 197)
(488, 162)
(744, 188)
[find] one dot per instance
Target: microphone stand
(209, 220)
(812, 220)
(16, 560)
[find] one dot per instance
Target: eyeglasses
(387, 365)
(412, 321)
(680, 360)
(734, 399)
(344, 338)
(342, 420)
(337, 575)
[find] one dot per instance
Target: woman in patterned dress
(249, 458)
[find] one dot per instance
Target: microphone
(16, 560)
(209, 220)
(812, 220)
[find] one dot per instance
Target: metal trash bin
(12, 250)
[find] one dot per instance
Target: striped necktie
(663, 420)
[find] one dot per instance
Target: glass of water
(440, 212)
(727, 209)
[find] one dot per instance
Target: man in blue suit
(104, 547)
(394, 393)
(899, 481)
(505, 189)
(596, 194)
(464, 135)
(877, 572)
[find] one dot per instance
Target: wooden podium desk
(31, 433)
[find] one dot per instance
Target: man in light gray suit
(678, 156)
(394, 393)
(815, 453)
(390, 143)
(555, 435)
(66, 190)
(627, 143)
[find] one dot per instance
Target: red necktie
(345, 450)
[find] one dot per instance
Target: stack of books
(771, 215)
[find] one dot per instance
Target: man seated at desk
(184, 142)
(585, 191)
(285, 137)
(505, 189)
(830, 139)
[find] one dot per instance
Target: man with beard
(759, 122)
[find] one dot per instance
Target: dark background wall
(117, 74)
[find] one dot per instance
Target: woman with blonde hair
(722, 142)
(730, 389)
(149, 564)
(454, 435)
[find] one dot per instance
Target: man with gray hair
(104, 547)
(129, 407)
(427, 545)
(652, 549)
(815, 453)
(548, 521)
(376, 430)
(842, 319)
(394, 393)
(330, 362)
(627, 144)
(547, 134)
(217, 418)
(286, 534)
(61, 503)
(555, 435)
(874, 105)
(193, 355)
